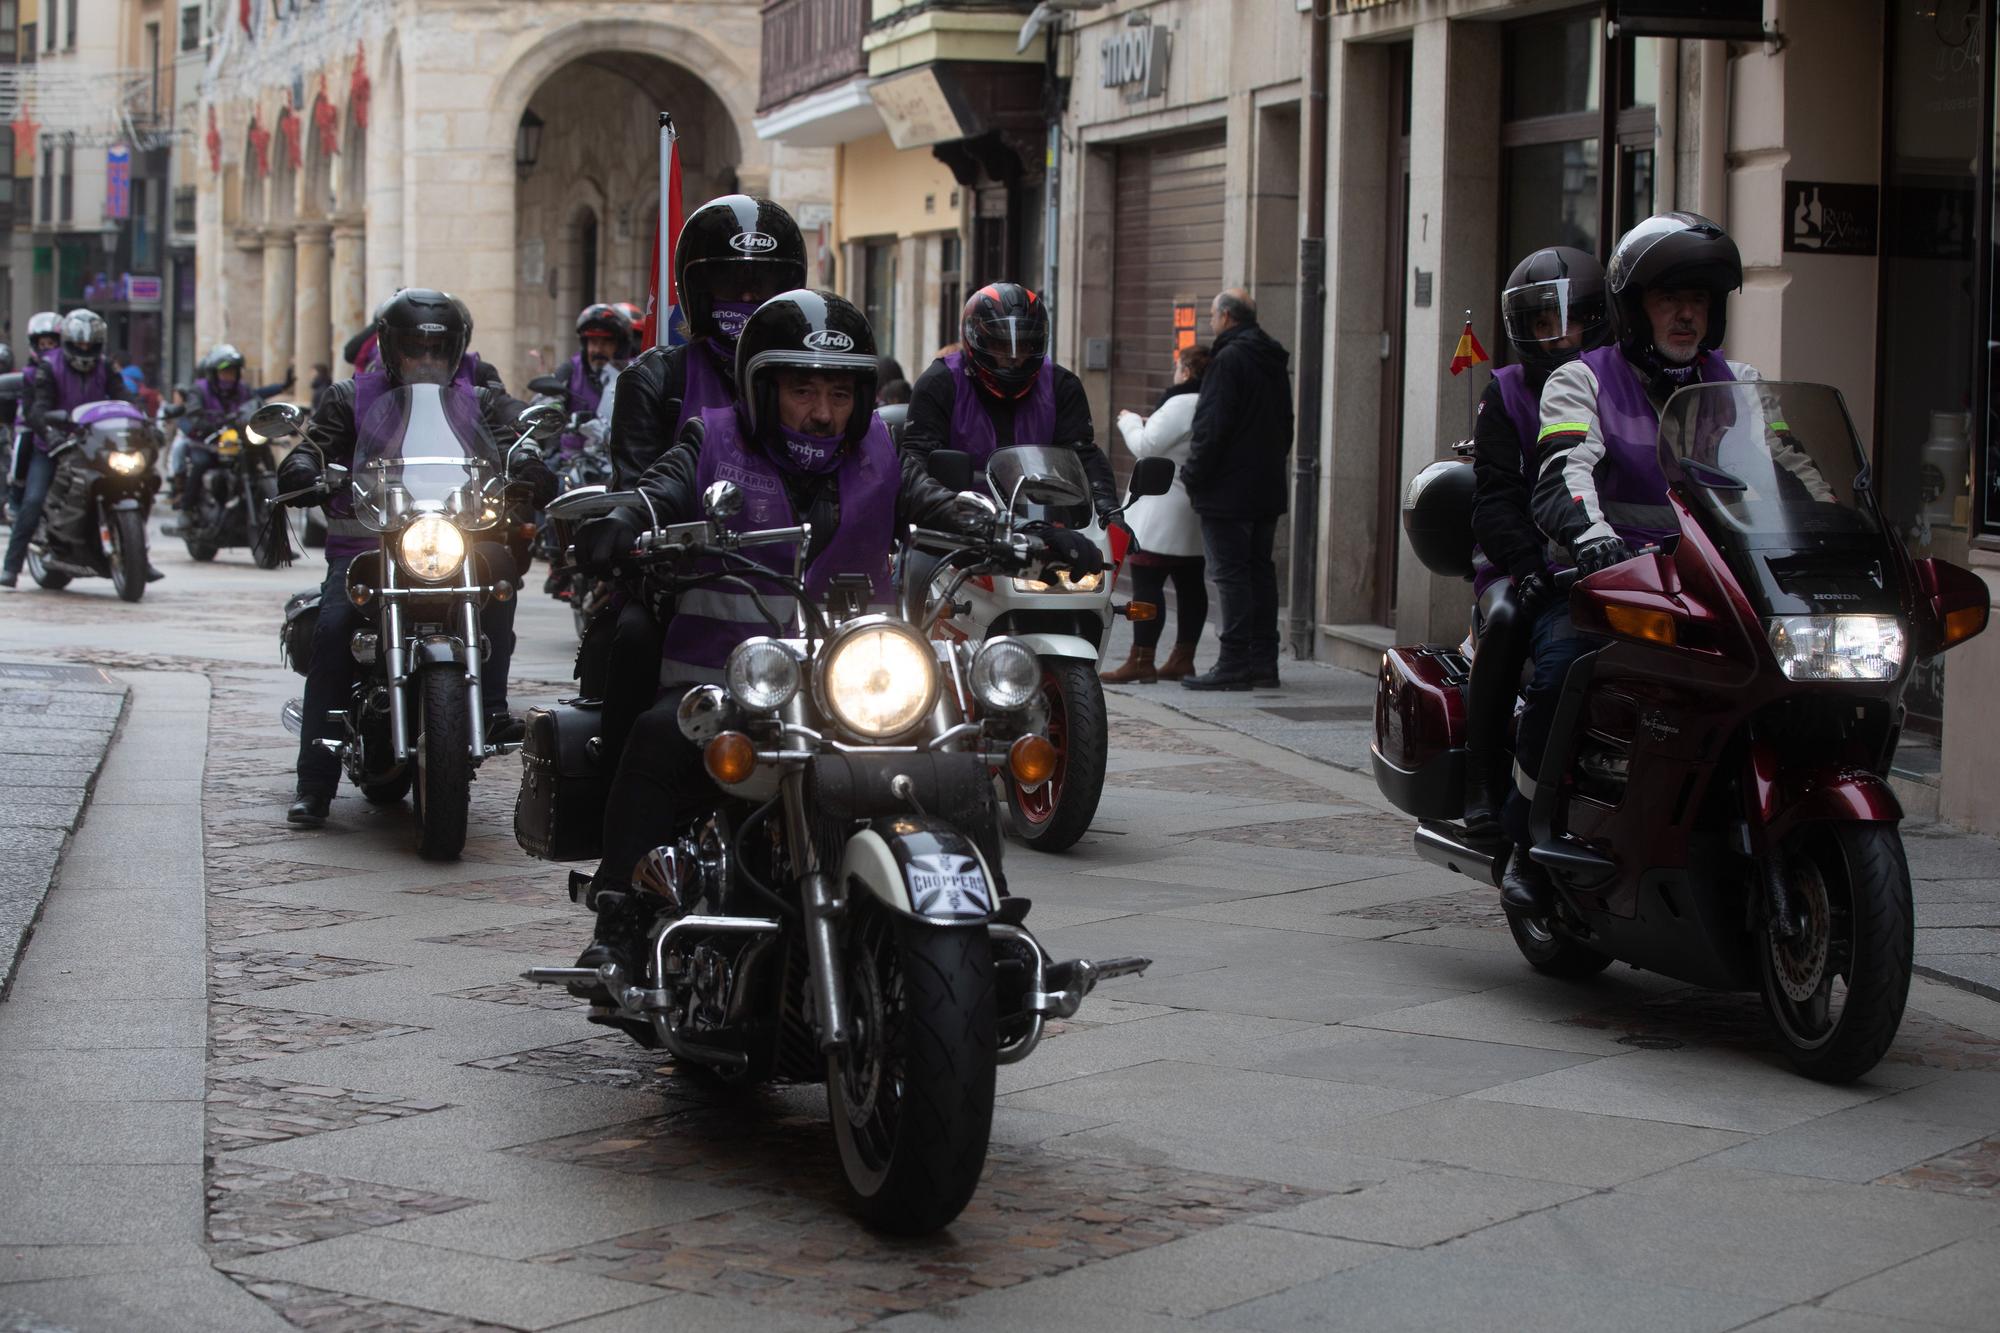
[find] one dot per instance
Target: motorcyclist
(1553, 310)
(67, 379)
(734, 253)
(1599, 493)
(421, 334)
(602, 334)
(804, 444)
(999, 388)
(220, 392)
(44, 336)
(9, 409)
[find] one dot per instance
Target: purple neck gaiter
(810, 453)
(730, 317)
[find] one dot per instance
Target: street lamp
(527, 142)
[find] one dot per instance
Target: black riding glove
(1533, 593)
(1073, 551)
(299, 472)
(604, 541)
(534, 474)
(1602, 554)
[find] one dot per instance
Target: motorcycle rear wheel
(1552, 953)
(1053, 816)
(128, 554)
(1852, 892)
(38, 570)
(912, 1097)
(444, 763)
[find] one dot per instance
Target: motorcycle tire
(912, 1098)
(1857, 927)
(270, 536)
(1552, 953)
(200, 551)
(38, 570)
(443, 779)
(1052, 817)
(128, 554)
(390, 791)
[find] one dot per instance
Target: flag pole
(665, 235)
(1471, 402)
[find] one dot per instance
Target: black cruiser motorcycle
(237, 501)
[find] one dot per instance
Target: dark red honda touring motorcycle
(1713, 803)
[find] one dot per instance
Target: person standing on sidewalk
(1235, 478)
(1166, 534)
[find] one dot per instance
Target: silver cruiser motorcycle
(416, 722)
(839, 916)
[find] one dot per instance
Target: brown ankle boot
(1138, 670)
(1179, 663)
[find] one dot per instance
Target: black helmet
(1556, 281)
(1437, 518)
(6, 358)
(604, 321)
(418, 330)
(1005, 329)
(466, 312)
(1670, 250)
(805, 330)
(44, 324)
(83, 334)
(222, 356)
(735, 243)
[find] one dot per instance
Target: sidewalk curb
(1956, 982)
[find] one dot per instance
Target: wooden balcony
(810, 45)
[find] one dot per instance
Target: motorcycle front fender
(1058, 645)
(438, 650)
(924, 869)
(1781, 799)
(127, 503)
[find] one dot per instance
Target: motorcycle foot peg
(557, 976)
(329, 745)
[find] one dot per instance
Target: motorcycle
(1713, 804)
(838, 916)
(417, 720)
(94, 520)
(236, 502)
(1062, 620)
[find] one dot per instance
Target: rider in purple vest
(422, 335)
(999, 388)
(44, 336)
(219, 393)
(602, 332)
(1553, 310)
(1599, 492)
(803, 446)
(65, 380)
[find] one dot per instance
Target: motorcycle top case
(1419, 750)
(559, 815)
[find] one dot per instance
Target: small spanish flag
(1469, 352)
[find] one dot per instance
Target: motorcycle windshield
(1773, 472)
(1053, 486)
(423, 449)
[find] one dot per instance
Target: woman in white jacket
(1167, 534)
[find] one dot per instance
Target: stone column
(279, 294)
(311, 315)
(350, 283)
(237, 312)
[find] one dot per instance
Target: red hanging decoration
(243, 15)
(358, 87)
(260, 147)
(327, 121)
(25, 127)
(214, 143)
(289, 127)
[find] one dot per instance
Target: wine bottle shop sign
(1825, 218)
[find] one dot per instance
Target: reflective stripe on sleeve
(1562, 428)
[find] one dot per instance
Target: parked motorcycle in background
(839, 915)
(235, 503)
(1714, 803)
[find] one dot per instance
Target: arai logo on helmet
(829, 340)
(753, 243)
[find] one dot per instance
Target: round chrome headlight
(431, 549)
(1005, 675)
(879, 678)
(763, 675)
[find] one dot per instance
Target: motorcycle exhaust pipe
(1441, 845)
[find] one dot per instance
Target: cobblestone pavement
(1338, 1099)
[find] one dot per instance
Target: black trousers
(1149, 584)
(1246, 578)
(619, 664)
(660, 787)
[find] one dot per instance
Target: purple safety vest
(345, 536)
(214, 400)
(586, 392)
(972, 419)
(1631, 489)
(704, 384)
(710, 621)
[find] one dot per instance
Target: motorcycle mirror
(974, 501)
(1151, 476)
(551, 384)
(274, 421)
(583, 502)
(11, 384)
(334, 475)
(895, 416)
(722, 499)
(544, 421)
(950, 468)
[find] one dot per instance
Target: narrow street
(256, 1078)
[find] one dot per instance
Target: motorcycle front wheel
(128, 554)
(1835, 992)
(444, 763)
(911, 1099)
(1054, 815)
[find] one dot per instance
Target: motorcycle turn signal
(730, 758)
(1032, 760)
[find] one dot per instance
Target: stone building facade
(507, 154)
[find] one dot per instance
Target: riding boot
(1482, 808)
(1526, 890)
(1179, 664)
(1138, 669)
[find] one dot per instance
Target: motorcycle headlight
(431, 549)
(763, 675)
(1063, 583)
(1005, 675)
(879, 678)
(125, 463)
(1837, 647)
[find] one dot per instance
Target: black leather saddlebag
(295, 637)
(559, 815)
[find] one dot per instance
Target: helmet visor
(427, 354)
(1008, 341)
(753, 280)
(1537, 313)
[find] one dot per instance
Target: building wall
(909, 196)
